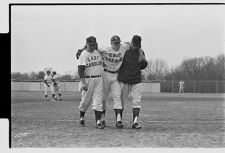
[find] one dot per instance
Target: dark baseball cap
(91, 40)
(136, 41)
(115, 39)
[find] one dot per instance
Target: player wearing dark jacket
(130, 77)
(130, 70)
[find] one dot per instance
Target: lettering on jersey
(93, 61)
(113, 57)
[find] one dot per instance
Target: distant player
(130, 77)
(90, 85)
(181, 87)
(48, 85)
(55, 85)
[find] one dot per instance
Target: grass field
(167, 120)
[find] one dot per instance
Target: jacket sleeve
(143, 64)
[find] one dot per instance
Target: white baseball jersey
(181, 84)
(56, 78)
(92, 61)
(93, 66)
(113, 59)
(48, 78)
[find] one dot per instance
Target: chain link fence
(194, 86)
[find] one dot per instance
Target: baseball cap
(91, 40)
(136, 41)
(115, 39)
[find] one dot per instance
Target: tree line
(196, 68)
(36, 76)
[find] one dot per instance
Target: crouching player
(90, 69)
(55, 85)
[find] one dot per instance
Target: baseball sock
(118, 114)
(60, 95)
(122, 112)
(82, 115)
(103, 115)
(46, 96)
(135, 114)
(53, 96)
(98, 116)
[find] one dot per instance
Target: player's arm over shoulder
(102, 49)
(126, 45)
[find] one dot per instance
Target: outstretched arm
(79, 51)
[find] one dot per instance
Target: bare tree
(220, 66)
(193, 67)
(157, 69)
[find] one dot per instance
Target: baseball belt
(93, 76)
(111, 71)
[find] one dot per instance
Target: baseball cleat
(99, 126)
(60, 99)
(53, 100)
(82, 123)
(103, 123)
(136, 126)
(119, 124)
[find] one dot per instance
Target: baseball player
(90, 85)
(55, 85)
(112, 59)
(48, 85)
(181, 87)
(130, 77)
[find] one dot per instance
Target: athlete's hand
(78, 53)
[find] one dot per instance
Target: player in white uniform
(181, 87)
(48, 85)
(90, 71)
(112, 59)
(55, 85)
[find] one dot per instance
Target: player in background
(130, 77)
(55, 85)
(112, 59)
(90, 85)
(181, 87)
(48, 85)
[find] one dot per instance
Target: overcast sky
(48, 36)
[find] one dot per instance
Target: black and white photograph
(117, 75)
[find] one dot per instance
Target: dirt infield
(167, 120)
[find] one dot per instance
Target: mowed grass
(167, 120)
